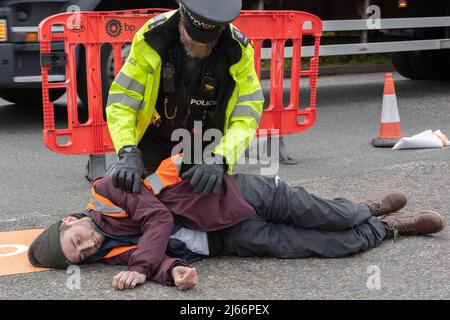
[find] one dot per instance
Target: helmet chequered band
(199, 24)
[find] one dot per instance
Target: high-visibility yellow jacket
(131, 106)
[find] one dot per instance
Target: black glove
(207, 177)
(128, 172)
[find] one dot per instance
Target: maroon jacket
(153, 218)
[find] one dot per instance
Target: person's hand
(128, 172)
(184, 277)
(128, 280)
(207, 178)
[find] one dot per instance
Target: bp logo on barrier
(114, 28)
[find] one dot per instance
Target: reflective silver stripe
(128, 83)
(255, 96)
(124, 99)
(245, 111)
(178, 162)
(101, 207)
(155, 182)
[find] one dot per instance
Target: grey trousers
(291, 223)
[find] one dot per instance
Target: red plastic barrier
(94, 29)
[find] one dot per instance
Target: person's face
(79, 240)
(193, 48)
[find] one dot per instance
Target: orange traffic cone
(390, 130)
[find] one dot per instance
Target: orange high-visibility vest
(167, 174)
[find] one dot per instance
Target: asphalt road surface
(335, 159)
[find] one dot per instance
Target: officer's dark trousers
(291, 223)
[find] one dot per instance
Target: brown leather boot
(386, 202)
(419, 223)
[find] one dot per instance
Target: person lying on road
(161, 230)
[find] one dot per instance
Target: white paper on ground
(426, 139)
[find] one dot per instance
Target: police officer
(188, 69)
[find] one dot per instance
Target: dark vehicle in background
(416, 33)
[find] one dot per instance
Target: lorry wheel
(401, 62)
(28, 97)
(431, 64)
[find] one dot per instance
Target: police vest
(188, 94)
(133, 97)
(204, 98)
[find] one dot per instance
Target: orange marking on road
(13, 252)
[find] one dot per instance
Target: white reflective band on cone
(390, 110)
